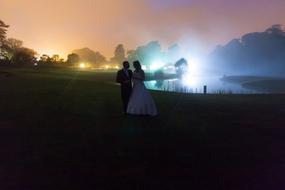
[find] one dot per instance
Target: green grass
(259, 83)
(273, 85)
(63, 129)
(30, 96)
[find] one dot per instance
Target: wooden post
(205, 89)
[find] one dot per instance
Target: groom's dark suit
(124, 77)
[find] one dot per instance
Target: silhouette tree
(14, 43)
(23, 56)
(174, 49)
(12, 50)
(86, 55)
(150, 52)
(55, 59)
(45, 60)
(90, 56)
(100, 58)
(275, 29)
(119, 54)
(10, 46)
(147, 53)
(3, 32)
(131, 55)
(73, 59)
(255, 53)
(181, 67)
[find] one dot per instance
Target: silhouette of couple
(135, 97)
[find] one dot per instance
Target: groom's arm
(120, 79)
(131, 73)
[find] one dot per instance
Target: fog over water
(253, 63)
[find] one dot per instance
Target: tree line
(258, 52)
(12, 52)
(261, 53)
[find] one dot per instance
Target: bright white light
(156, 65)
(82, 65)
(144, 67)
(116, 67)
(194, 65)
(189, 80)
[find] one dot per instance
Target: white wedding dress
(141, 102)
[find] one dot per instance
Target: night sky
(53, 26)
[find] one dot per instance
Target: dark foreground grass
(63, 129)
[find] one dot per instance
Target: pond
(213, 84)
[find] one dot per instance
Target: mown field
(259, 83)
(63, 129)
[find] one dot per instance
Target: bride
(141, 102)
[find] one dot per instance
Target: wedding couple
(136, 98)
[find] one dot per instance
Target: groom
(124, 77)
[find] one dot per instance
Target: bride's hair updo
(137, 65)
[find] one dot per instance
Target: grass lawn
(63, 129)
(263, 84)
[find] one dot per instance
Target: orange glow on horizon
(58, 27)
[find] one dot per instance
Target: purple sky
(60, 26)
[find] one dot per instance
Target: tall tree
(132, 56)
(44, 58)
(119, 54)
(23, 56)
(90, 56)
(259, 53)
(276, 29)
(10, 46)
(3, 32)
(100, 58)
(149, 53)
(14, 43)
(55, 59)
(73, 59)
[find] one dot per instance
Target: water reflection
(196, 85)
